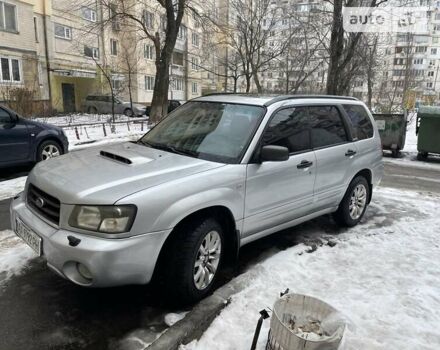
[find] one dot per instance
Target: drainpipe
(46, 53)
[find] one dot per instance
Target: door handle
(304, 164)
(350, 153)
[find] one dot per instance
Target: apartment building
(23, 49)
(62, 51)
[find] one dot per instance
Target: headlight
(107, 219)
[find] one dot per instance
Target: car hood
(43, 125)
(93, 177)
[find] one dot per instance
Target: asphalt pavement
(39, 310)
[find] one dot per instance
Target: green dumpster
(428, 131)
(392, 130)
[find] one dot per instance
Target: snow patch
(10, 188)
(14, 255)
(173, 318)
(386, 280)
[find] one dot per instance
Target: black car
(172, 105)
(23, 141)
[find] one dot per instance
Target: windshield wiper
(169, 148)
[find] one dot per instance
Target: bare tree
(342, 48)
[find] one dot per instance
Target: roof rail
(293, 97)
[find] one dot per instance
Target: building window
(429, 85)
(431, 74)
(181, 34)
(114, 17)
(36, 29)
(92, 52)
(195, 88)
(63, 32)
(10, 70)
(113, 47)
(418, 61)
(148, 52)
(148, 19)
(194, 63)
(195, 39)
(178, 58)
(149, 82)
(178, 84)
(434, 51)
(8, 17)
(89, 14)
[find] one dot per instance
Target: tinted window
(327, 126)
(289, 128)
(362, 127)
(4, 117)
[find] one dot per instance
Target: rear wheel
(128, 113)
(422, 155)
(48, 149)
(353, 205)
(194, 259)
(92, 110)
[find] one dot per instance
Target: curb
(197, 321)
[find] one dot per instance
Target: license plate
(29, 236)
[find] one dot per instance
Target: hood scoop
(115, 157)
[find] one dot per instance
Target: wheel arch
(224, 217)
(47, 137)
(368, 175)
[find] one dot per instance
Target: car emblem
(40, 202)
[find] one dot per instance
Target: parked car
(23, 140)
(172, 105)
(102, 104)
(218, 173)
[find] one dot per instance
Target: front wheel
(128, 113)
(194, 260)
(48, 149)
(353, 205)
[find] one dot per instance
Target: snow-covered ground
(79, 118)
(383, 275)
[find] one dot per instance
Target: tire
(48, 149)
(349, 213)
(422, 155)
(183, 279)
(92, 110)
(395, 153)
(128, 112)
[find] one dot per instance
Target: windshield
(218, 132)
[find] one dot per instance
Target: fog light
(84, 271)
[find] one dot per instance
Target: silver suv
(103, 105)
(219, 172)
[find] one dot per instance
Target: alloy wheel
(358, 201)
(207, 260)
(50, 151)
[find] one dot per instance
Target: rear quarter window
(362, 126)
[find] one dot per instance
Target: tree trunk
(235, 84)
(336, 49)
(257, 83)
(160, 92)
(248, 82)
(130, 95)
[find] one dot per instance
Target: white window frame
(195, 88)
(148, 18)
(93, 14)
(67, 32)
(149, 51)
(195, 39)
(113, 47)
(95, 52)
(195, 63)
(178, 84)
(149, 82)
(20, 70)
(15, 30)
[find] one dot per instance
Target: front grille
(44, 204)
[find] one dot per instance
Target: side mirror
(272, 153)
(14, 118)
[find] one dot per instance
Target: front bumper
(111, 262)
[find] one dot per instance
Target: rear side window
(289, 128)
(326, 126)
(362, 127)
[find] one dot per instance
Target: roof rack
(294, 97)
